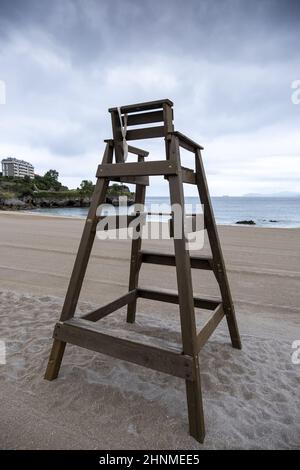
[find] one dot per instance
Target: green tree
(86, 187)
(27, 179)
(51, 175)
(50, 179)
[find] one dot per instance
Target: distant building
(15, 167)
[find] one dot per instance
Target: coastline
(29, 212)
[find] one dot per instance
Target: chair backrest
(160, 111)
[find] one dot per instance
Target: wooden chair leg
(186, 306)
(220, 269)
(79, 269)
(195, 405)
(140, 194)
(86, 243)
(55, 358)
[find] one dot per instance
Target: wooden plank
(197, 262)
(159, 167)
(117, 222)
(132, 108)
(135, 259)
(131, 149)
(111, 307)
(87, 335)
(188, 176)
(165, 295)
(55, 358)
(210, 326)
(141, 180)
(117, 135)
(80, 266)
(183, 264)
(137, 151)
(186, 303)
(144, 118)
(195, 404)
(216, 250)
(186, 142)
(168, 125)
(168, 116)
(145, 133)
(86, 243)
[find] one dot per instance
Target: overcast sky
(227, 65)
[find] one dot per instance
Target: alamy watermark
(156, 222)
(2, 352)
(2, 92)
(296, 353)
(295, 97)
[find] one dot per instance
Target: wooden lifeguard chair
(85, 331)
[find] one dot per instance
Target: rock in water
(246, 222)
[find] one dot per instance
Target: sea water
(264, 211)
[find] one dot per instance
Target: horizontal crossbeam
(143, 118)
(88, 335)
(210, 326)
(137, 151)
(188, 175)
(164, 295)
(186, 142)
(197, 262)
(133, 108)
(145, 133)
(131, 149)
(159, 167)
(111, 307)
(117, 222)
(142, 180)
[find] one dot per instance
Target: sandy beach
(251, 397)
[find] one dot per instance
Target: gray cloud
(227, 65)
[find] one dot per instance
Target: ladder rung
(142, 180)
(92, 336)
(120, 221)
(197, 262)
(159, 167)
(164, 295)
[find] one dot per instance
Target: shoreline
(47, 215)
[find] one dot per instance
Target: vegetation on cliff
(48, 191)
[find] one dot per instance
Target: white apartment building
(15, 167)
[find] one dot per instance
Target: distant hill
(280, 194)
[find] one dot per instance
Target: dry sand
(251, 397)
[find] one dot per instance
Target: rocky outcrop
(29, 202)
(12, 204)
(246, 222)
(61, 202)
(34, 202)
